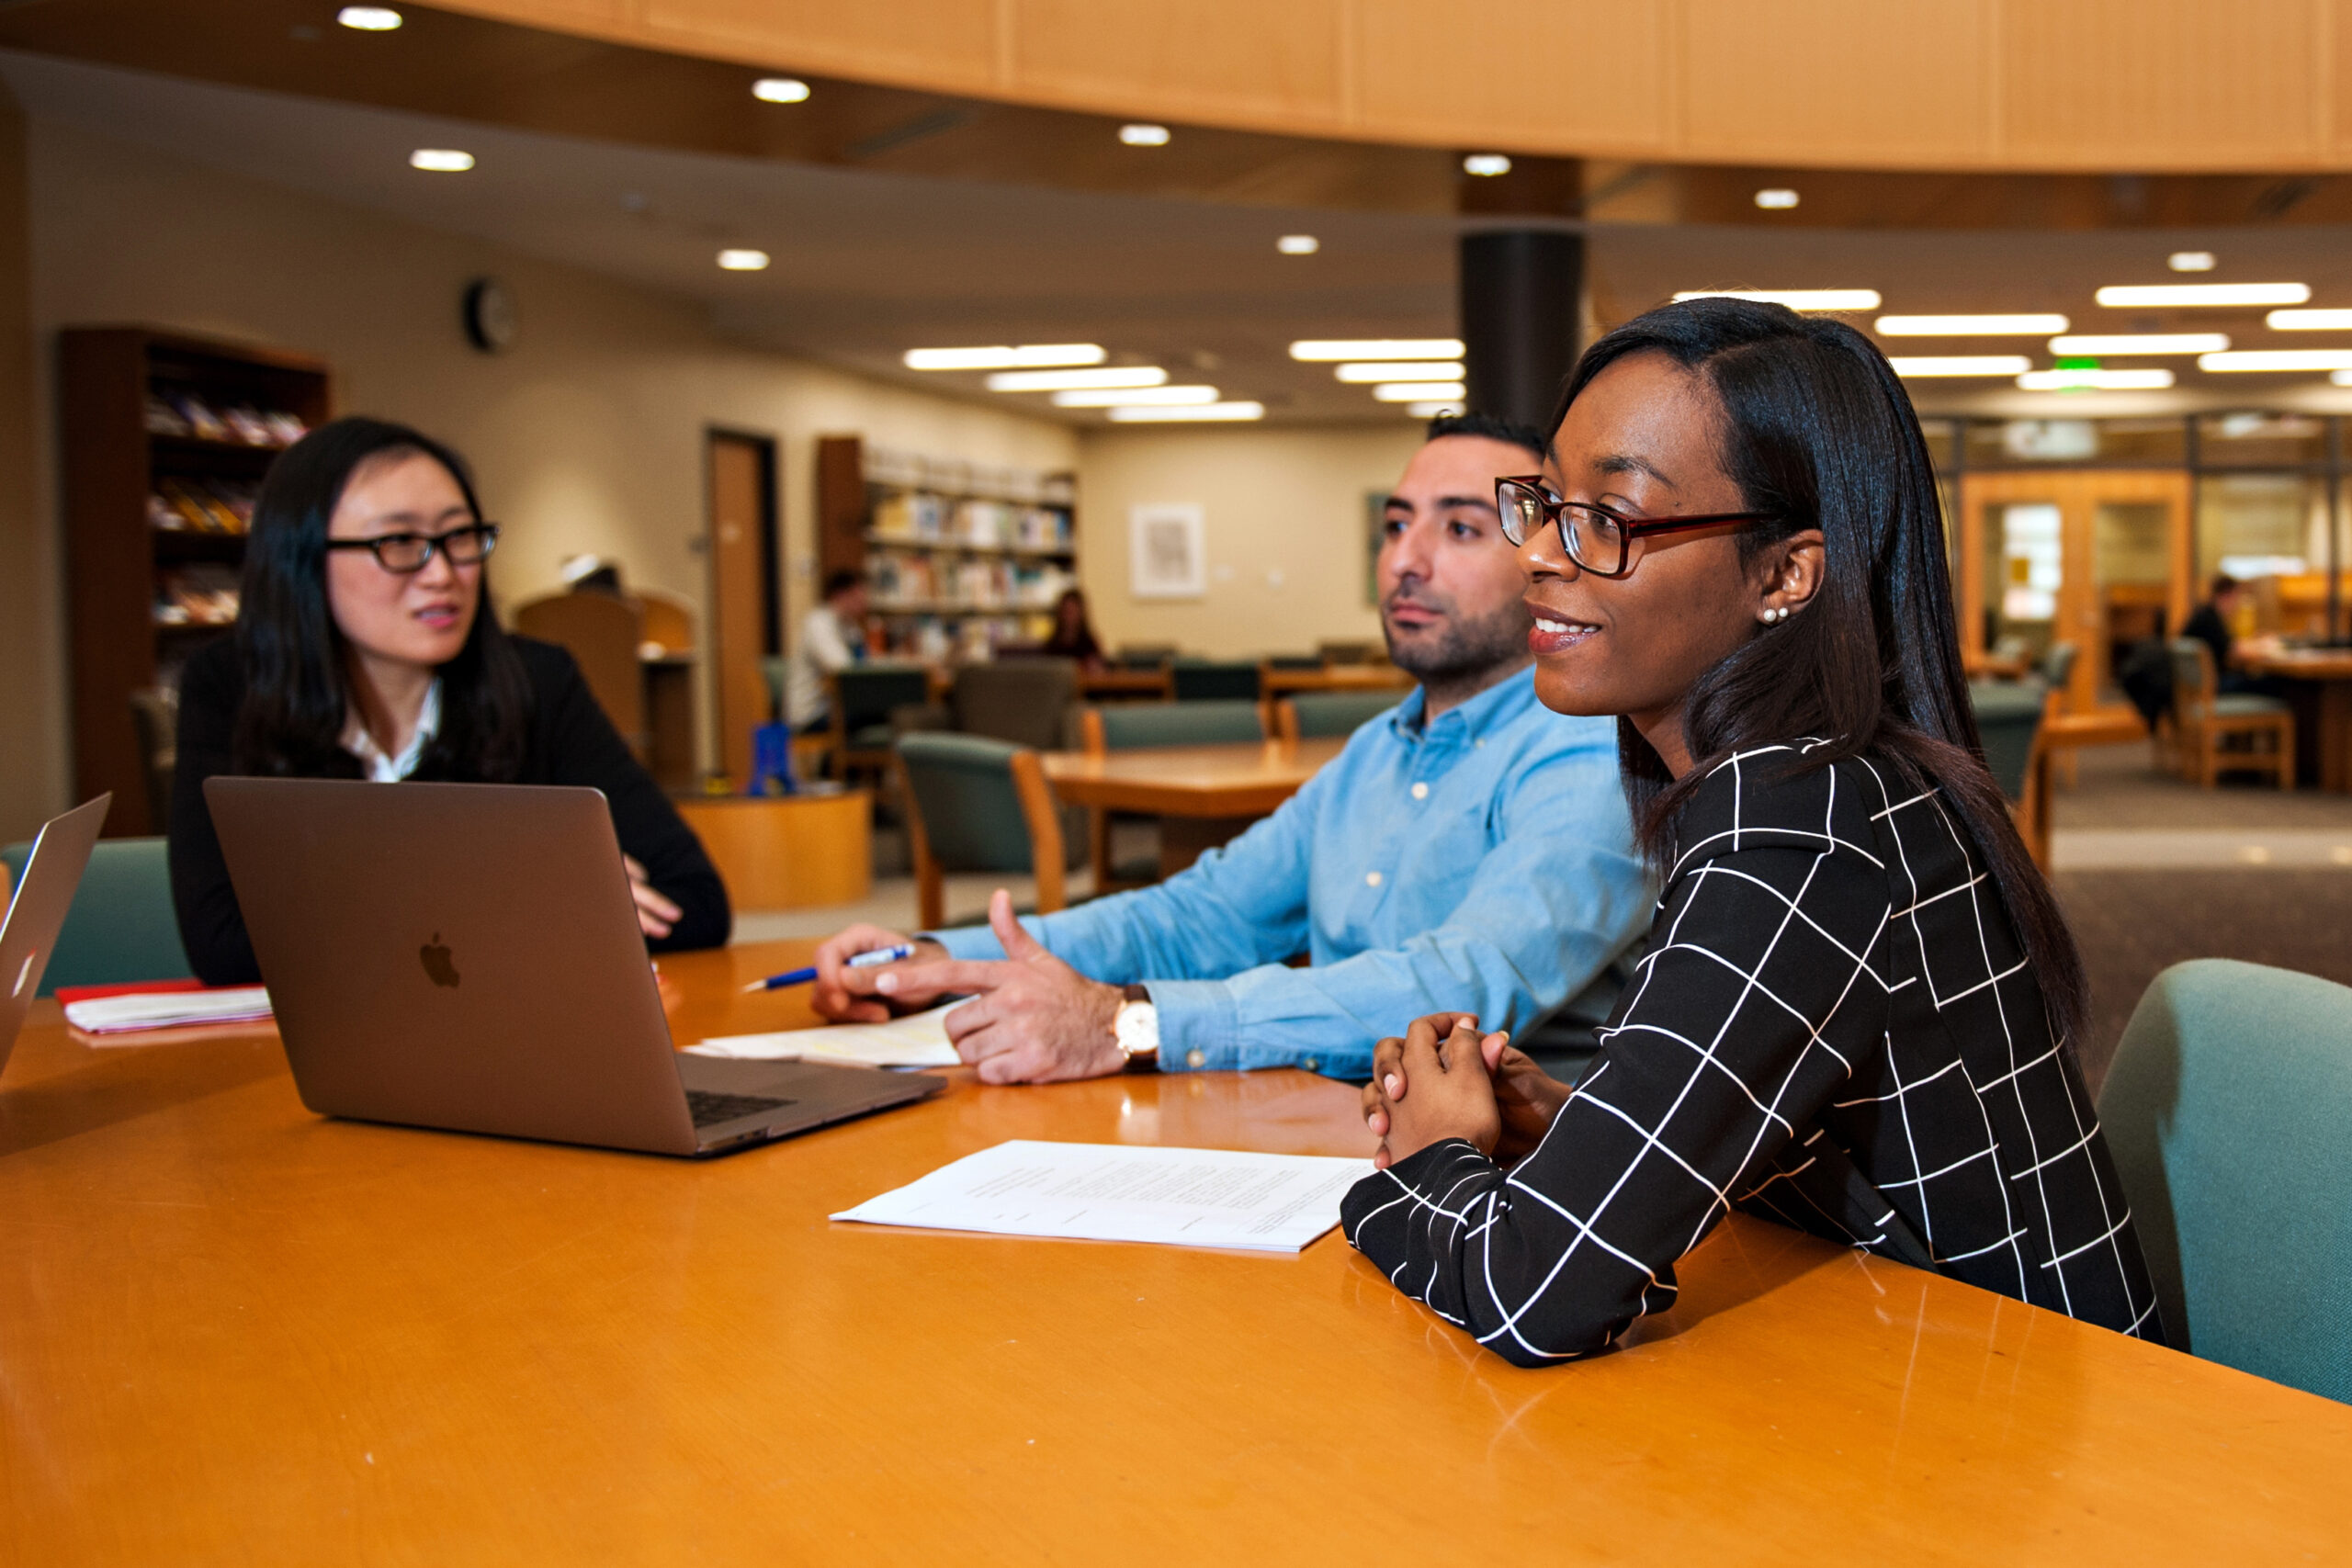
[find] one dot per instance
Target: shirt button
(1313, 1064)
(1372, 879)
(1420, 792)
(1196, 1059)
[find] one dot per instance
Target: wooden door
(746, 611)
(2082, 608)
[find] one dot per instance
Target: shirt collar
(382, 768)
(1494, 707)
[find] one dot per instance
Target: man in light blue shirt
(1469, 850)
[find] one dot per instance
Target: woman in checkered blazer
(1856, 1010)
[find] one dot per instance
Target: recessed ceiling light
(2341, 378)
(1970, 326)
(441, 160)
(1144, 135)
(1432, 410)
(1485, 165)
(1133, 397)
(1419, 391)
(369, 18)
(1201, 412)
(743, 261)
(1298, 244)
(1960, 365)
(2309, 321)
(780, 90)
(2095, 380)
(1057, 380)
(1027, 356)
(1794, 298)
(1323, 349)
(2278, 359)
(2096, 345)
(1777, 198)
(2124, 296)
(1400, 370)
(2190, 261)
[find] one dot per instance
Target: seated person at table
(1859, 1007)
(832, 638)
(1466, 850)
(365, 647)
(1073, 632)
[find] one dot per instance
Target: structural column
(1522, 296)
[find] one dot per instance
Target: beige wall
(587, 436)
(1284, 523)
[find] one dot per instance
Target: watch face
(491, 316)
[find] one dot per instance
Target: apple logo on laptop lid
(437, 966)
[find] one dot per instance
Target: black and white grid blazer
(1835, 1027)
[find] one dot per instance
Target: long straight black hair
(1818, 432)
(295, 686)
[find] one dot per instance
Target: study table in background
(233, 1331)
(2319, 683)
(1202, 795)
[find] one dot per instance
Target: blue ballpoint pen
(862, 961)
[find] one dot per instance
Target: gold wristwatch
(1136, 1028)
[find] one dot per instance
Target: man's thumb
(1017, 944)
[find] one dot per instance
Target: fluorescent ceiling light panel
(2127, 297)
(1485, 165)
(2096, 345)
(1960, 365)
(441, 160)
(1399, 371)
(1133, 397)
(2278, 359)
(2309, 321)
(2095, 380)
(1027, 356)
(1432, 410)
(1777, 199)
(1794, 298)
(368, 19)
(1144, 135)
(2342, 378)
(1324, 349)
(2190, 261)
(1298, 244)
(744, 260)
(1419, 391)
(1197, 411)
(1063, 380)
(780, 90)
(1970, 326)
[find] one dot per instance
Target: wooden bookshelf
(124, 472)
(960, 557)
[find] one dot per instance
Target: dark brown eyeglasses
(407, 553)
(1597, 539)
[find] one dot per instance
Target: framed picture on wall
(1167, 551)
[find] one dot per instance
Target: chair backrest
(1145, 655)
(2058, 665)
(963, 787)
(156, 715)
(600, 632)
(2225, 1111)
(1317, 714)
(1024, 700)
(1348, 652)
(2008, 716)
(1206, 682)
(865, 694)
(121, 925)
(1127, 726)
(2193, 678)
(1294, 661)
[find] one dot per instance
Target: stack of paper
(918, 1040)
(1126, 1192)
(168, 1010)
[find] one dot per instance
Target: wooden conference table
(231, 1331)
(2322, 681)
(1202, 795)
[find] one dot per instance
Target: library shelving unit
(960, 559)
(165, 439)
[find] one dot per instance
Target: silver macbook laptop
(36, 910)
(467, 956)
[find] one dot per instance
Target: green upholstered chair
(1122, 727)
(861, 697)
(976, 803)
(121, 925)
(1202, 680)
(2225, 1110)
(2205, 719)
(1316, 716)
(1023, 701)
(2009, 720)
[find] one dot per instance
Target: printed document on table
(918, 1040)
(1127, 1193)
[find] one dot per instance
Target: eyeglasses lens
(1595, 541)
(1522, 511)
(460, 546)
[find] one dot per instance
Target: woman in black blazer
(1858, 1007)
(366, 648)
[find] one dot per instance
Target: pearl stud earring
(1773, 616)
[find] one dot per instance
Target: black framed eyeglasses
(1599, 541)
(407, 553)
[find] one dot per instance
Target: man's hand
(1527, 1097)
(1033, 1020)
(847, 994)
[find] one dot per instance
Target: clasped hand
(1033, 1020)
(1443, 1079)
